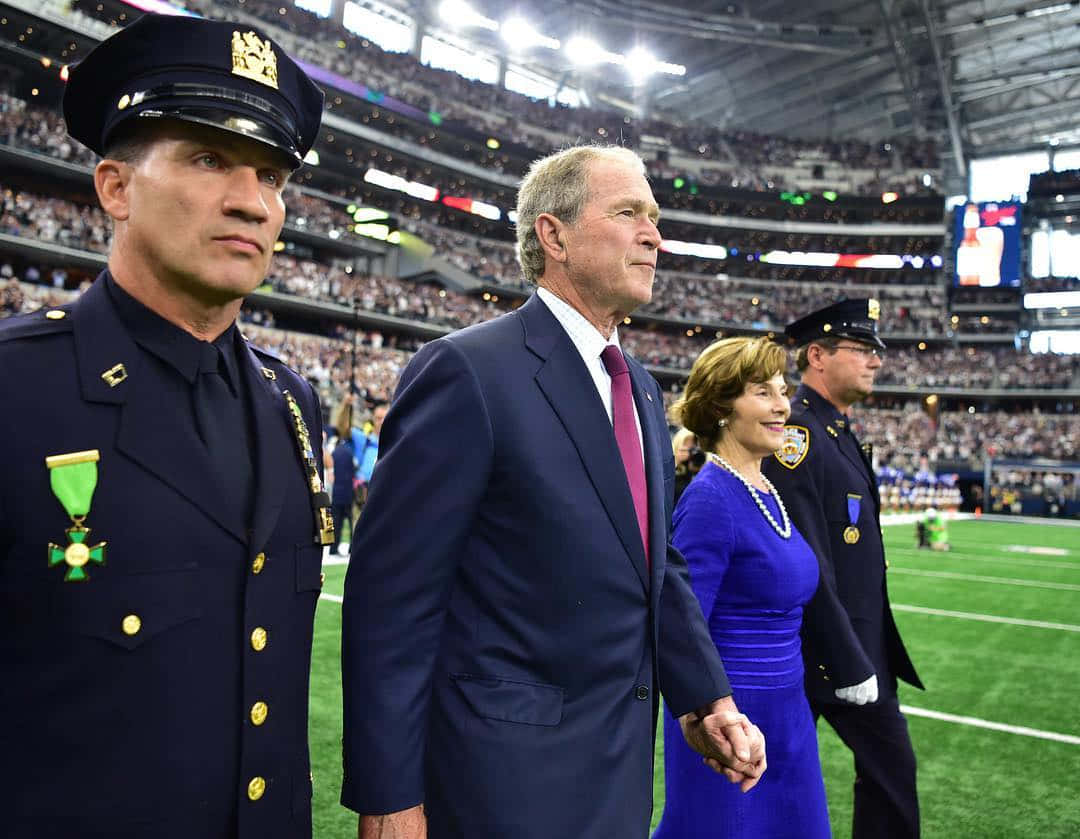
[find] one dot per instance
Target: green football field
(994, 630)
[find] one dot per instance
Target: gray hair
(559, 185)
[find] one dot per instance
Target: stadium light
(583, 51)
(640, 64)
(519, 33)
(461, 14)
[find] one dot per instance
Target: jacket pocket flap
(501, 699)
(128, 610)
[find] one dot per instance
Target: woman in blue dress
(752, 572)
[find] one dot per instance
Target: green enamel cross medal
(73, 478)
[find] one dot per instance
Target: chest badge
(73, 478)
(794, 447)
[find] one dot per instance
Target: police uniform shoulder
(49, 321)
(799, 407)
(275, 369)
(263, 353)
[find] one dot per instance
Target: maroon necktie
(626, 435)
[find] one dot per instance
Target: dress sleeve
(703, 531)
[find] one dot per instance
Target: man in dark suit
(161, 513)
(512, 607)
(851, 647)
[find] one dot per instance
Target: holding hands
(731, 744)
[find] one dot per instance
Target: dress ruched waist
(759, 650)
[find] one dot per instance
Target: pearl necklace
(783, 532)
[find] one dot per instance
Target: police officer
(161, 512)
(851, 647)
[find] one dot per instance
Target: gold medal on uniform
(851, 532)
(73, 478)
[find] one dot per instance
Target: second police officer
(851, 647)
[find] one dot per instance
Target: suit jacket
(829, 488)
(128, 699)
(503, 638)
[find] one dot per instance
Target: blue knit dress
(752, 585)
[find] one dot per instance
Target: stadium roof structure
(978, 76)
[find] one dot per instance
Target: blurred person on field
(752, 572)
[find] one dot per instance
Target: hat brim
(227, 121)
(861, 337)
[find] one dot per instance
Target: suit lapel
(569, 389)
(275, 449)
(165, 445)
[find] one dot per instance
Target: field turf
(974, 782)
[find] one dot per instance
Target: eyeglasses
(865, 352)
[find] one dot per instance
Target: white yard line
(1024, 731)
(978, 578)
(975, 616)
(938, 715)
(1025, 520)
(968, 557)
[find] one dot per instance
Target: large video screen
(987, 238)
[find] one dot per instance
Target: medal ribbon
(74, 478)
(854, 503)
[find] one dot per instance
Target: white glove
(861, 693)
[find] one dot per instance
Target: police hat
(226, 75)
(855, 319)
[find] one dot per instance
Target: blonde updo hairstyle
(719, 377)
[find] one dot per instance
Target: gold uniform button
(131, 625)
(258, 713)
(256, 788)
(258, 563)
(886, 563)
(56, 314)
(258, 639)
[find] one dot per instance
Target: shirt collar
(585, 337)
(177, 348)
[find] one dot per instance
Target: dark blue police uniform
(159, 570)
(827, 483)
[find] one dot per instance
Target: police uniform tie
(626, 435)
(222, 426)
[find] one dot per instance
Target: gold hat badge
(873, 309)
(253, 58)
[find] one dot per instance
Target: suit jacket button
(642, 692)
(256, 788)
(131, 625)
(258, 639)
(258, 563)
(258, 713)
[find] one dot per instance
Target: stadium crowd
(900, 436)
(686, 296)
(742, 158)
